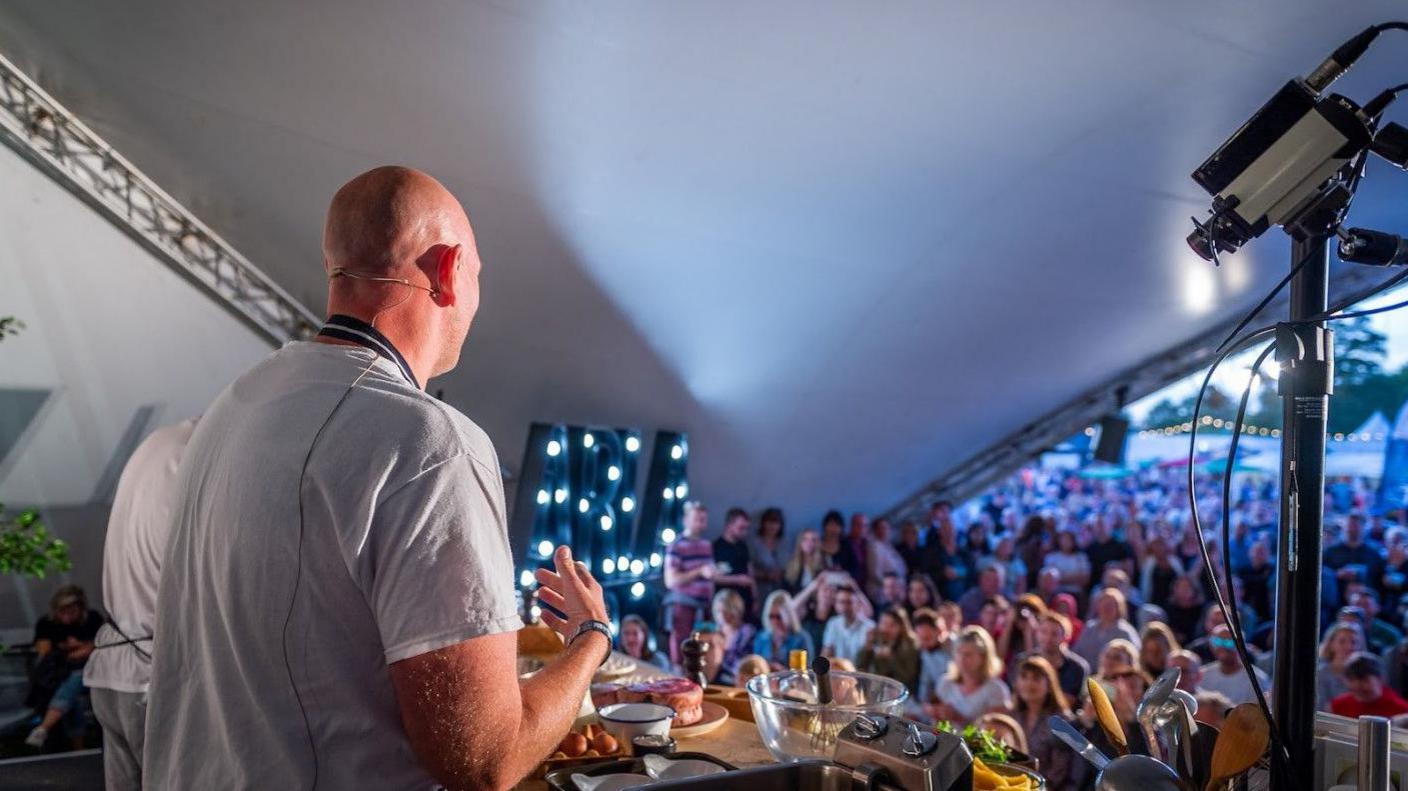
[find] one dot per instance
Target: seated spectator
(1212, 618)
(973, 686)
(892, 592)
(1212, 708)
(1118, 656)
(1118, 579)
(1354, 558)
(921, 593)
(935, 653)
(1396, 668)
(1110, 623)
(782, 633)
(891, 650)
(1228, 675)
(1038, 697)
(1156, 645)
(707, 632)
(1005, 729)
(951, 615)
(1052, 636)
(1071, 562)
(994, 615)
(1048, 585)
(749, 667)
(1191, 668)
(1380, 634)
(1014, 568)
(1033, 544)
(63, 640)
(1160, 569)
(638, 643)
(1186, 607)
(1259, 579)
(806, 563)
(1065, 604)
(846, 631)
(1367, 695)
(883, 561)
(1018, 633)
(990, 584)
(1342, 641)
(729, 610)
(953, 561)
(815, 604)
(1129, 685)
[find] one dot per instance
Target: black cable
(132, 641)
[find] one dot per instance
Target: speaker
(1110, 447)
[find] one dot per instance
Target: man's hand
(572, 591)
(707, 571)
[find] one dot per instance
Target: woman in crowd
(729, 613)
(892, 650)
(806, 563)
(1185, 608)
(908, 545)
(1156, 645)
(768, 553)
(1110, 621)
(994, 617)
(636, 642)
(1038, 698)
(63, 640)
(974, 686)
(1005, 554)
(921, 593)
(976, 541)
(1065, 604)
(782, 633)
(1343, 640)
(1160, 570)
(814, 604)
(1033, 543)
(1068, 559)
(1118, 656)
(835, 548)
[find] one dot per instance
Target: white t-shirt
(993, 694)
(138, 528)
(846, 641)
(405, 550)
(1235, 685)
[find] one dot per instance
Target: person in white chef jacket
(337, 609)
(119, 669)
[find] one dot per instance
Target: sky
(1231, 376)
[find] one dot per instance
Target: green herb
(983, 743)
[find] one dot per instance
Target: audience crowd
(997, 613)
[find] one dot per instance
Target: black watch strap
(595, 626)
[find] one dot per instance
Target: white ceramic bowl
(625, 721)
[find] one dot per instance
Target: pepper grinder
(693, 650)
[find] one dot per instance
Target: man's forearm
(741, 580)
(551, 699)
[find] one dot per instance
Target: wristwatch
(594, 626)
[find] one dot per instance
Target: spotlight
(627, 505)
(632, 444)
(638, 590)
(554, 447)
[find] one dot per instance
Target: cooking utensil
(821, 666)
(1245, 736)
(1148, 711)
(1138, 773)
(1076, 740)
(1105, 715)
(795, 730)
(1180, 728)
(1203, 742)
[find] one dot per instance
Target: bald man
(337, 606)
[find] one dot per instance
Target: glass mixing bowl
(795, 727)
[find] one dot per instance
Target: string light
(632, 444)
(637, 566)
(605, 522)
(623, 563)
(613, 473)
(554, 447)
(668, 494)
(608, 565)
(545, 548)
(677, 453)
(560, 496)
(627, 505)
(584, 505)
(543, 497)
(668, 535)
(655, 560)
(682, 490)
(588, 440)
(638, 590)
(535, 611)
(526, 578)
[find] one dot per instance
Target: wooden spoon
(1244, 739)
(1105, 714)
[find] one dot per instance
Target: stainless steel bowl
(795, 727)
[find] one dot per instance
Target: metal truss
(49, 136)
(989, 465)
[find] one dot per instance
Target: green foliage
(27, 548)
(983, 743)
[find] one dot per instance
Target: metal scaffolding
(43, 132)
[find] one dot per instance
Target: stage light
(608, 565)
(638, 590)
(627, 505)
(668, 535)
(605, 522)
(535, 611)
(668, 494)
(526, 578)
(623, 563)
(583, 505)
(554, 447)
(545, 548)
(613, 473)
(654, 559)
(632, 444)
(637, 566)
(560, 496)
(677, 453)
(588, 440)
(543, 497)
(682, 490)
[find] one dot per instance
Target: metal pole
(1305, 394)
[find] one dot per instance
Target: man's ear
(446, 266)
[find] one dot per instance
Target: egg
(574, 745)
(604, 743)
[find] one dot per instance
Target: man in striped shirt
(689, 574)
